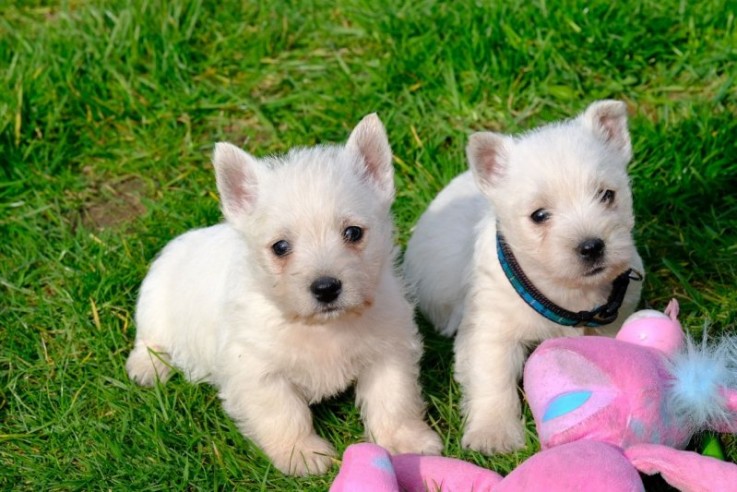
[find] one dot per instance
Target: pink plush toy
(604, 409)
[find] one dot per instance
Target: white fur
(222, 307)
(451, 259)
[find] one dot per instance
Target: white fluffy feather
(702, 371)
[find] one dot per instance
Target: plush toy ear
(370, 143)
(235, 173)
(487, 158)
(608, 121)
(684, 470)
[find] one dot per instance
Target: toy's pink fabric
(730, 397)
(421, 473)
(369, 468)
(578, 466)
(653, 332)
(627, 384)
(604, 408)
(685, 470)
(366, 468)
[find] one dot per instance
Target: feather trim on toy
(704, 374)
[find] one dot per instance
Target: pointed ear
(369, 142)
(487, 158)
(608, 121)
(235, 173)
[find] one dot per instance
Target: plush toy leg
(685, 470)
(366, 468)
(418, 473)
(369, 468)
(575, 466)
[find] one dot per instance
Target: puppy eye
(607, 196)
(281, 248)
(540, 215)
(352, 234)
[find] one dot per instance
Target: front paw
(416, 438)
(495, 439)
(311, 455)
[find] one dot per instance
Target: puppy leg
(278, 419)
(391, 404)
(488, 371)
(147, 363)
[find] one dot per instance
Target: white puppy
(291, 300)
(557, 202)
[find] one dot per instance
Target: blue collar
(602, 315)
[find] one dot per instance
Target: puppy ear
(235, 173)
(608, 121)
(487, 158)
(369, 142)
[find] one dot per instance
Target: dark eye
(352, 234)
(281, 248)
(540, 215)
(607, 196)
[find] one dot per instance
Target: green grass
(108, 113)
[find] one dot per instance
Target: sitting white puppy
(291, 300)
(537, 238)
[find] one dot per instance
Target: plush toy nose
(591, 249)
(326, 289)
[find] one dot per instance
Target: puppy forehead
(314, 187)
(563, 155)
(559, 167)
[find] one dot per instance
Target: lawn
(109, 112)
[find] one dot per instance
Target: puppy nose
(326, 289)
(591, 249)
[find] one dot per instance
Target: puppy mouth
(594, 271)
(321, 315)
(334, 310)
(330, 308)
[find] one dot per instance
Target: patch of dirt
(114, 203)
(247, 131)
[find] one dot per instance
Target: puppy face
(562, 196)
(317, 221)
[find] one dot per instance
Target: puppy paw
(491, 440)
(311, 455)
(416, 438)
(144, 366)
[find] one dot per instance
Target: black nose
(326, 289)
(591, 249)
